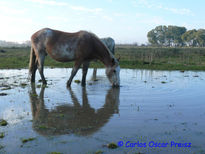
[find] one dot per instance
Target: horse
(110, 44)
(80, 47)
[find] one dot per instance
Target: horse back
(63, 46)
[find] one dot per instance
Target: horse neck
(105, 57)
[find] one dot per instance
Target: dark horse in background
(81, 47)
(110, 44)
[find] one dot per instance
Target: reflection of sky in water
(153, 105)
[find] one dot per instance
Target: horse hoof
(68, 84)
(44, 82)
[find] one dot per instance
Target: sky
(127, 21)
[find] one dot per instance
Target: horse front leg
(85, 70)
(73, 73)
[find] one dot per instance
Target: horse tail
(32, 60)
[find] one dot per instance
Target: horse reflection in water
(78, 119)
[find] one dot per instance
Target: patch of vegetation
(3, 122)
(38, 86)
(54, 153)
(161, 58)
(14, 58)
(44, 86)
(77, 81)
(112, 145)
(2, 135)
(42, 127)
(34, 95)
(3, 94)
(6, 88)
(27, 140)
(61, 115)
(99, 152)
(1, 146)
(23, 85)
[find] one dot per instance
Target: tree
(166, 36)
(189, 37)
(152, 37)
(174, 34)
(200, 37)
(157, 36)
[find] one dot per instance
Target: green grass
(157, 58)
(161, 58)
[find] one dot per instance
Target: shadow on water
(76, 119)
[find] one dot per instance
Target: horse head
(113, 73)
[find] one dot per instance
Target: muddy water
(151, 108)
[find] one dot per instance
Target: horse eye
(114, 71)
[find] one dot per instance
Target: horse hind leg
(85, 70)
(94, 77)
(41, 66)
(33, 73)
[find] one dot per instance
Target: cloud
(110, 1)
(145, 3)
(85, 9)
(182, 11)
(117, 14)
(57, 19)
(154, 21)
(48, 2)
(107, 18)
(149, 4)
(13, 11)
(140, 15)
(73, 7)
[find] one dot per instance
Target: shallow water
(150, 106)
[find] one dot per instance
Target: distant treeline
(173, 36)
(14, 44)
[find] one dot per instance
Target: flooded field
(152, 112)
